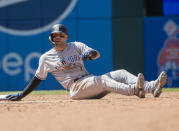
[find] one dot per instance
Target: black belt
(80, 77)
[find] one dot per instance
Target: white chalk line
(32, 102)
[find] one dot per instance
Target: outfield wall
(25, 28)
(161, 47)
(117, 28)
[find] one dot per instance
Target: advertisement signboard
(25, 26)
(162, 48)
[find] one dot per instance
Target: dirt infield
(112, 113)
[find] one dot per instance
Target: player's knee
(123, 70)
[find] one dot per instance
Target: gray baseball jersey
(66, 66)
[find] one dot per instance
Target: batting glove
(86, 56)
(14, 97)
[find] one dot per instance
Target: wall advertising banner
(162, 48)
(25, 26)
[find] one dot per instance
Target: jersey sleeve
(42, 71)
(81, 47)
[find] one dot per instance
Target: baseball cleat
(139, 90)
(161, 81)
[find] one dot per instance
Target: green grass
(171, 89)
(43, 92)
(63, 92)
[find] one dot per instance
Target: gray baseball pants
(119, 81)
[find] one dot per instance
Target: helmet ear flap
(51, 41)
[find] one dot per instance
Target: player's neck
(60, 48)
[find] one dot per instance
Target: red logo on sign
(168, 58)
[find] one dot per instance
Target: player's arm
(30, 87)
(90, 55)
(41, 74)
(87, 53)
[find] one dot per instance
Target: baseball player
(65, 62)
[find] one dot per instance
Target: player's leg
(149, 87)
(128, 78)
(155, 87)
(87, 88)
(93, 86)
(122, 88)
(161, 81)
(122, 76)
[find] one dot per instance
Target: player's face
(59, 37)
(60, 40)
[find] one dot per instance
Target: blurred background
(136, 35)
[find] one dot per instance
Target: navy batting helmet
(57, 28)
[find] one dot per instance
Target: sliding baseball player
(65, 62)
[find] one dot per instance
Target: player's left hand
(14, 97)
(86, 56)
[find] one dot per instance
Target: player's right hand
(14, 97)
